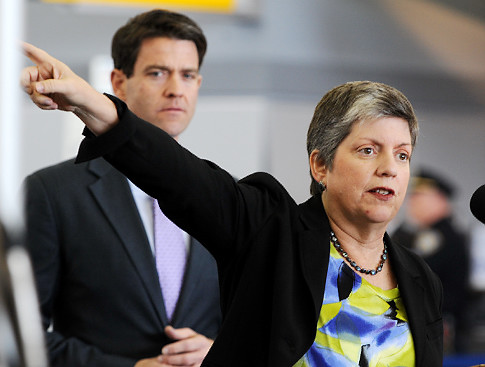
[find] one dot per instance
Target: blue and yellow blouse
(359, 324)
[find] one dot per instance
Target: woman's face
(370, 173)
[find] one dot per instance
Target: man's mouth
(171, 109)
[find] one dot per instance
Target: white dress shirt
(144, 205)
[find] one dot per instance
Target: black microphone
(477, 204)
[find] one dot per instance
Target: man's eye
(157, 73)
(367, 151)
(189, 75)
(403, 156)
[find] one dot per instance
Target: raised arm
(52, 85)
(197, 195)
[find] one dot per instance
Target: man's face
(427, 205)
(165, 83)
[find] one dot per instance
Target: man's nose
(174, 86)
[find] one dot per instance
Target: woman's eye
(367, 151)
(403, 156)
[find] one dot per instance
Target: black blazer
(272, 254)
(96, 274)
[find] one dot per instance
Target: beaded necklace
(352, 263)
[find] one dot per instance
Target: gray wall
(263, 76)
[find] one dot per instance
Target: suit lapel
(113, 194)
(193, 270)
(412, 292)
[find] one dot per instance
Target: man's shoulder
(64, 166)
(70, 173)
(71, 169)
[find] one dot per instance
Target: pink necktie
(170, 257)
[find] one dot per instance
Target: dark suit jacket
(96, 274)
(272, 254)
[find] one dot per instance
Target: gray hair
(349, 103)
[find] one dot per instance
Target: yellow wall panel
(223, 6)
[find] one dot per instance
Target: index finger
(35, 54)
(49, 66)
(179, 334)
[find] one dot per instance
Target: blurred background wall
(265, 71)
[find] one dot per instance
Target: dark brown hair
(155, 23)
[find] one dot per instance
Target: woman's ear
(317, 167)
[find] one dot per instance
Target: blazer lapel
(412, 292)
(314, 248)
(113, 194)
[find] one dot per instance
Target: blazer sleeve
(196, 194)
(42, 242)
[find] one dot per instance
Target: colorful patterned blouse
(359, 324)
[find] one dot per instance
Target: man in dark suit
(90, 230)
